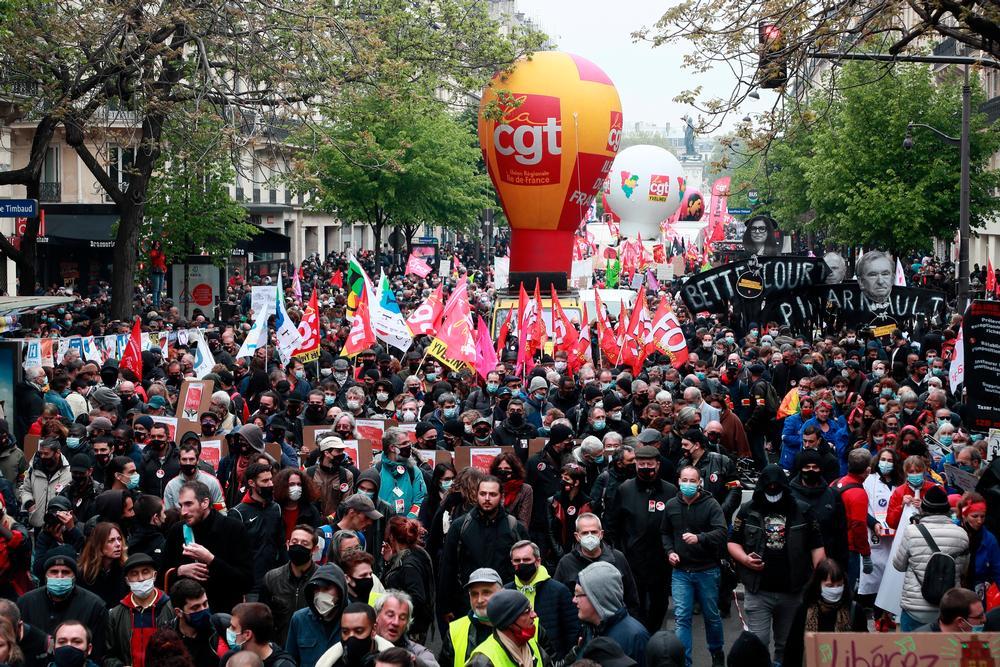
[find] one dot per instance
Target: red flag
(537, 334)
(132, 357)
(524, 321)
(309, 331)
(417, 267)
(637, 334)
(458, 346)
(991, 277)
(667, 336)
(503, 332)
(362, 334)
(564, 334)
(486, 357)
(580, 353)
(606, 339)
(426, 319)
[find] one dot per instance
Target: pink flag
(486, 356)
(900, 274)
(297, 286)
(417, 266)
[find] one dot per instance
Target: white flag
(900, 274)
(387, 321)
(288, 333)
(204, 360)
(257, 336)
(956, 372)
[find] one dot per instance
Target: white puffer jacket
(914, 554)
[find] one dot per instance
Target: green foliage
(403, 162)
(190, 209)
(842, 170)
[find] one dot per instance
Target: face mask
(806, 413)
(141, 589)
(916, 480)
(408, 416)
(363, 588)
(539, 397)
(599, 460)
(945, 440)
(231, 639)
(886, 467)
(491, 387)
(559, 366)
(266, 493)
(59, 587)
(68, 656)
(300, 375)
(200, 620)
(325, 604)
(524, 634)
(431, 377)
(773, 497)
(840, 393)
(599, 425)
(353, 405)
(831, 594)
(133, 481)
(590, 542)
(450, 413)
(525, 571)
(629, 471)
(688, 489)
(646, 474)
(878, 440)
(808, 367)
(700, 375)
(940, 423)
(838, 363)
(404, 452)
(299, 554)
(73, 443)
(845, 373)
(972, 470)
(446, 484)
(617, 415)
(811, 477)
(325, 372)
(294, 492)
(515, 419)
(188, 469)
(878, 373)
(381, 397)
(504, 475)
(356, 648)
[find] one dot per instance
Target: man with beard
(633, 523)
(160, 461)
(605, 489)
(515, 431)
(47, 474)
(568, 395)
(358, 642)
(403, 486)
(776, 543)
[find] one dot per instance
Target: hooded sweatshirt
(664, 650)
(309, 635)
(602, 584)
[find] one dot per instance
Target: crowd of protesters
(652, 498)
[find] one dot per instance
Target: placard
(171, 423)
(536, 445)
(31, 446)
(435, 456)
(992, 444)
(194, 399)
(372, 429)
(263, 297)
(959, 479)
(868, 649)
(211, 450)
(478, 457)
(981, 331)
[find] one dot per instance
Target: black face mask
(266, 493)
(646, 474)
(355, 650)
(525, 571)
(404, 452)
(811, 477)
(629, 470)
(102, 459)
(188, 469)
(516, 419)
(299, 555)
(363, 588)
(208, 428)
(504, 475)
(314, 411)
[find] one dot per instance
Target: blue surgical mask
(328, 401)
(450, 413)
(446, 484)
(700, 375)
(606, 386)
(231, 639)
(599, 459)
(808, 367)
(886, 467)
(599, 425)
(915, 480)
(133, 481)
(945, 440)
(688, 489)
(59, 587)
(430, 377)
(73, 443)
(491, 387)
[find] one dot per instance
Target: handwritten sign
(959, 479)
(922, 649)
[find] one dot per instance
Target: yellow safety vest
(494, 650)
(459, 633)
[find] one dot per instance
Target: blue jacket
(408, 479)
(61, 404)
(837, 436)
(627, 632)
(791, 440)
(309, 636)
(988, 560)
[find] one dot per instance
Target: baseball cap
(331, 442)
(484, 575)
(80, 463)
(359, 502)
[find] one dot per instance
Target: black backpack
(939, 576)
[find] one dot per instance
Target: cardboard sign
(837, 649)
(211, 450)
(371, 429)
(31, 446)
(992, 444)
(536, 445)
(478, 457)
(435, 456)
(194, 399)
(170, 422)
(960, 479)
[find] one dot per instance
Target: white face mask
(832, 594)
(295, 492)
(590, 542)
(325, 604)
(142, 589)
(353, 405)
(773, 498)
(381, 396)
(560, 366)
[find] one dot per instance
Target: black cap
(137, 559)
(560, 433)
(80, 463)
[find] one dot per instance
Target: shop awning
(16, 305)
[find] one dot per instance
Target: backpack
(940, 573)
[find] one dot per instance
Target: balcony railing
(49, 191)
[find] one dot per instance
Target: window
(120, 161)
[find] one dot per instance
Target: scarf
(521, 654)
(510, 491)
(841, 624)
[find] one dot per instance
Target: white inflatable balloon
(647, 185)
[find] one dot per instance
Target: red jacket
(904, 490)
(856, 508)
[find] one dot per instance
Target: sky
(647, 78)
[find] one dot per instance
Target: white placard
(501, 272)
(261, 296)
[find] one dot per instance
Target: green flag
(611, 274)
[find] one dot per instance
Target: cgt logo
(531, 134)
(615, 133)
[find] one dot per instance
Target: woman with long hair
(408, 568)
(441, 481)
(10, 652)
(460, 499)
(886, 476)
(296, 495)
(518, 496)
(984, 566)
(826, 607)
(15, 555)
(104, 554)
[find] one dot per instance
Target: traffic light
(772, 69)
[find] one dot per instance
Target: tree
(726, 33)
(249, 61)
(399, 163)
(847, 175)
(190, 210)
